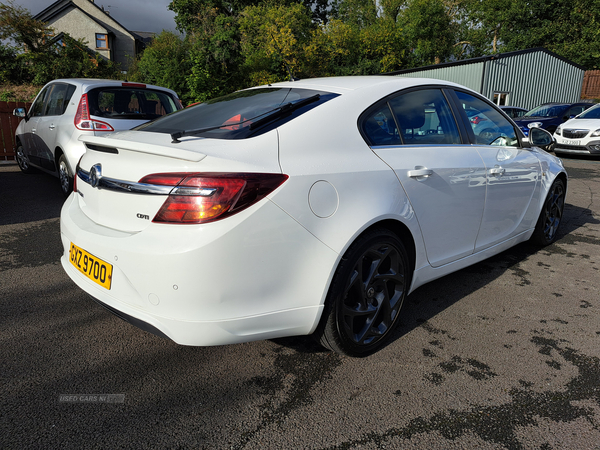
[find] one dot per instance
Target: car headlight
(534, 125)
(559, 130)
(596, 133)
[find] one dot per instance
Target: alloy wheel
(64, 176)
(373, 295)
(553, 210)
(22, 159)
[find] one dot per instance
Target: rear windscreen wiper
(269, 116)
(283, 110)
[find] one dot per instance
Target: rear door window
(37, 109)
(425, 118)
(420, 117)
(380, 127)
(58, 99)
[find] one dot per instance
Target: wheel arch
(58, 152)
(563, 176)
(399, 229)
(322, 332)
(403, 233)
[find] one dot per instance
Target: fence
(591, 84)
(8, 125)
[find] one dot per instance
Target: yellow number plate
(95, 269)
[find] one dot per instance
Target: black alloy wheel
(366, 294)
(551, 215)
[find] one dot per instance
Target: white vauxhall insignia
(307, 207)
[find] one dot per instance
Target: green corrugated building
(524, 78)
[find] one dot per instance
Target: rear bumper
(208, 285)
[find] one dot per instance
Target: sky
(135, 15)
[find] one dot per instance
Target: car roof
(90, 83)
(566, 104)
(353, 83)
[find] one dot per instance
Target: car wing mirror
(20, 112)
(541, 138)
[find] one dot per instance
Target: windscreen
(232, 116)
(546, 111)
(592, 113)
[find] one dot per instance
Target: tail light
(476, 119)
(82, 118)
(201, 198)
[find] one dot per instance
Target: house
(525, 78)
(83, 19)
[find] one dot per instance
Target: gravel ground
(502, 355)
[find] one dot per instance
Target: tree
(18, 25)
(357, 13)
(429, 30)
(491, 23)
(165, 62)
(10, 69)
(190, 15)
(65, 58)
(568, 28)
(40, 55)
(273, 39)
(571, 29)
(215, 56)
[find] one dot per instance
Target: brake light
(84, 122)
(202, 198)
(134, 85)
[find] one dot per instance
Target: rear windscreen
(130, 103)
(241, 114)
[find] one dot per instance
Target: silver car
(48, 137)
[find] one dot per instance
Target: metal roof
(485, 58)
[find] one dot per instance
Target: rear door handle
(416, 173)
(497, 171)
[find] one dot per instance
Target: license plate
(100, 272)
(569, 142)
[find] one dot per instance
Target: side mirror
(20, 112)
(541, 138)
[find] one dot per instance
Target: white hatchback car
(580, 135)
(65, 109)
(304, 207)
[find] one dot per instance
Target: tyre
(366, 294)
(22, 160)
(551, 215)
(65, 176)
